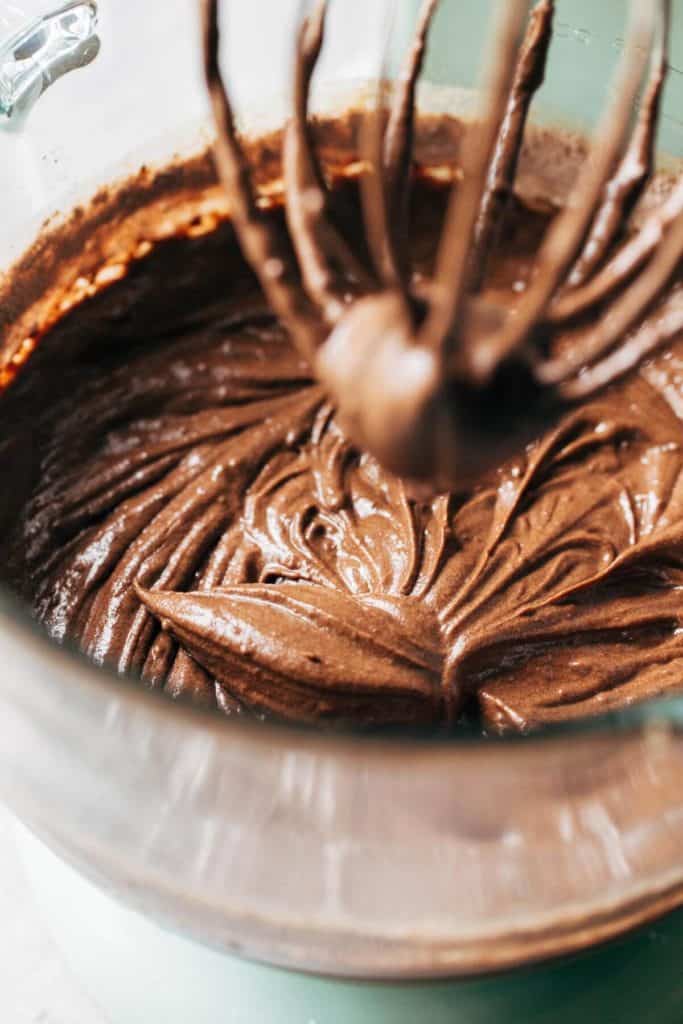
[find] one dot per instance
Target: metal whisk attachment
(397, 362)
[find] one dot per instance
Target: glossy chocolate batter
(179, 499)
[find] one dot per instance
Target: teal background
(586, 47)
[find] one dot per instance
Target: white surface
(36, 985)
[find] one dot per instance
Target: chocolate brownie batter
(180, 500)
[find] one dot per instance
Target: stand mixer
(196, 869)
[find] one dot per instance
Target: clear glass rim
(317, 945)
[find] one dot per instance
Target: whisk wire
(451, 280)
(568, 233)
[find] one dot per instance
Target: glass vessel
(371, 876)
